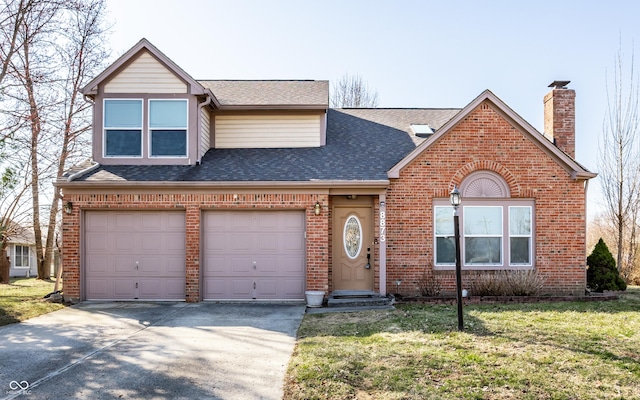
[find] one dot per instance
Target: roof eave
(371, 184)
(252, 107)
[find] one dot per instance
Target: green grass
(22, 299)
(564, 350)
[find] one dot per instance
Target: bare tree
(619, 162)
(351, 91)
(61, 47)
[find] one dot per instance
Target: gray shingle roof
(361, 145)
(269, 93)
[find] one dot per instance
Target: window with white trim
(168, 128)
(21, 257)
(497, 231)
(520, 237)
(122, 128)
(134, 128)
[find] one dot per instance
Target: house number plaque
(383, 221)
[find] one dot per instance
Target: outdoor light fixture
(316, 208)
(68, 207)
(456, 200)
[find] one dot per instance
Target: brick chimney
(560, 117)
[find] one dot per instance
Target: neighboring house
(22, 254)
(209, 190)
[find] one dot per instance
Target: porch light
(68, 207)
(316, 208)
(456, 200)
(455, 197)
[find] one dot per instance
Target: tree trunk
(5, 264)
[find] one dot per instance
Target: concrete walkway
(150, 351)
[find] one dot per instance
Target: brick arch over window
(484, 184)
(488, 166)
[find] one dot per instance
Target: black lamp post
(456, 199)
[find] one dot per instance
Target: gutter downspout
(200, 107)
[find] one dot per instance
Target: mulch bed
(506, 299)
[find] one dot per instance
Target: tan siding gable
(267, 131)
(145, 75)
(205, 130)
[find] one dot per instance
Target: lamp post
(456, 199)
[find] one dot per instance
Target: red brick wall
(486, 141)
(193, 203)
(560, 119)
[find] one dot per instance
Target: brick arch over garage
(466, 170)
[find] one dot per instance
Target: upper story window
(168, 128)
(496, 230)
(165, 133)
(123, 128)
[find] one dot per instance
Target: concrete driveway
(150, 351)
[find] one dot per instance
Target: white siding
(205, 131)
(145, 75)
(267, 131)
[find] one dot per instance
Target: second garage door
(135, 255)
(254, 255)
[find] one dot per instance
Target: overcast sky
(414, 53)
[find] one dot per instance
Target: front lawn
(22, 299)
(563, 350)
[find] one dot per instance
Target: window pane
(445, 250)
(444, 221)
(22, 256)
(520, 221)
(168, 114)
(482, 250)
(482, 220)
(123, 142)
(123, 113)
(520, 250)
(168, 143)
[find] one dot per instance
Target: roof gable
(569, 164)
(193, 87)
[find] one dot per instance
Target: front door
(353, 247)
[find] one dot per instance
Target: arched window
(484, 184)
(496, 230)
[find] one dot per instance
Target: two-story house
(209, 189)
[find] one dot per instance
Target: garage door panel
(97, 242)
(268, 242)
(124, 288)
(216, 287)
(123, 264)
(118, 241)
(233, 240)
(161, 289)
(292, 242)
(214, 266)
(126, 242)
(267, 266)
(239, 265)
(122, 222)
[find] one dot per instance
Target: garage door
(254, 255)
(134, 255)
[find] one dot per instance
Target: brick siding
(485, 140)
(317, 228)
